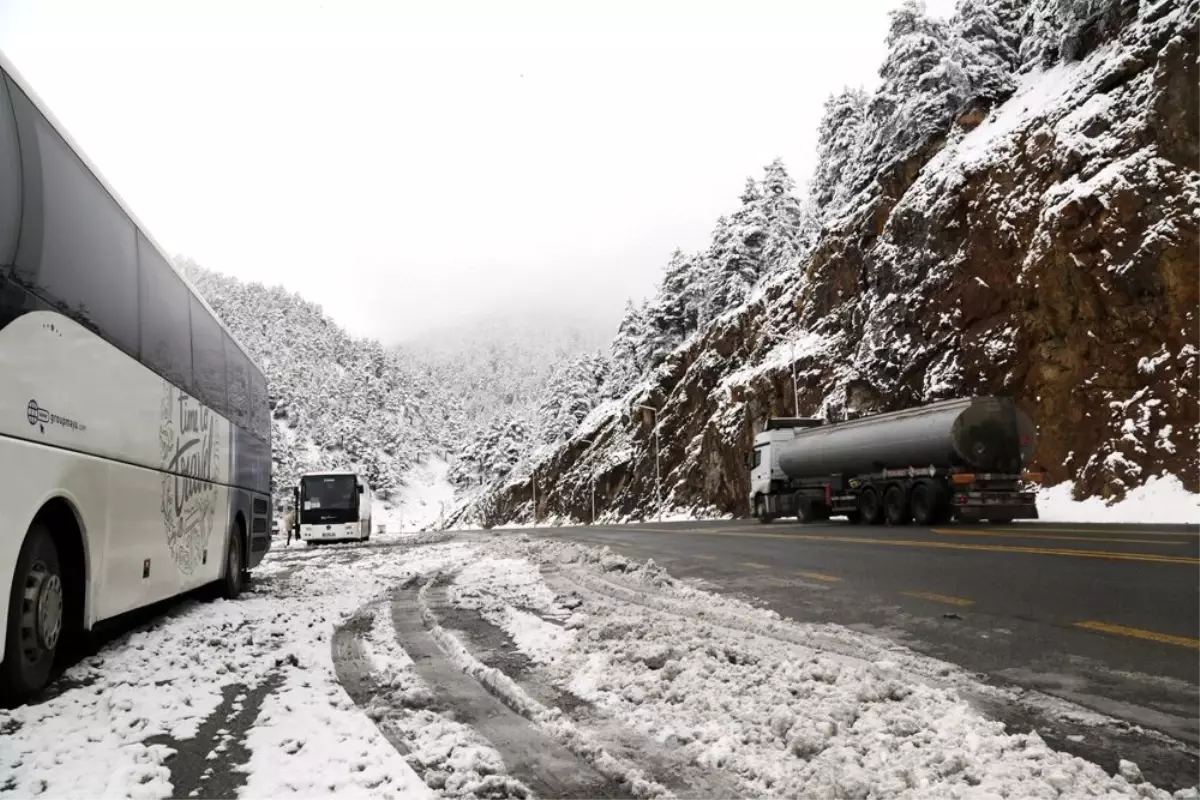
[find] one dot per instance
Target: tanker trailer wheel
(925, 504)
(870, 506)
(895, 505)
(806, 510)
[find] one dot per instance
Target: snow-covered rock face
(1048, 249)
(1039, 239)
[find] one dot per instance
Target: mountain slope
(1014, 210)
(337, 402)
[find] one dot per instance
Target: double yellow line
(1017, 533)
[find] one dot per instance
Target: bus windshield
(328, 493)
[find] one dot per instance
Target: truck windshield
(328, 493)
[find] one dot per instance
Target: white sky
(414, 164)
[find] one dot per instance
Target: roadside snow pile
(784, 718)
(1161, 500)
(167, 679)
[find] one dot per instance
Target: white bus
(135, 446)
(333, 507)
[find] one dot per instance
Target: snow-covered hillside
(337, 401)
(1014, 210)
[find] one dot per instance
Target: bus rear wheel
(231, 584)
(35, 618)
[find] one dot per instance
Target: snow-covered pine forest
(478, 396)
(336, 401)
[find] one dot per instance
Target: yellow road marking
(1138, 633)
(820, 576)
(1094, 531)
(706, 558)
(1012, 534)
(754, 565)
(941, 598)
(994, 548)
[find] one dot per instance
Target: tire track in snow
(448, 755)
(493, 647)
(210, 763)
(531, 756)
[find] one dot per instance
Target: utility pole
(795, 386)
(533, 483)
(657, 452)
(593, 519)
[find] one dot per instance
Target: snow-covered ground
(1161, 500)
(169, 678)
(645, 680)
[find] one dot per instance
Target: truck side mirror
(360, 488)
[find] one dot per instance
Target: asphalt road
(1106, 616)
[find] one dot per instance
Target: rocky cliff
(1040, 240)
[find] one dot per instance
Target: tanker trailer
(956, 459)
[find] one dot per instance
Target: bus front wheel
(35, 618)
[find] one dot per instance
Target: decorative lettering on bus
(190, 449)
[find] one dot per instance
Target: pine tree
(628, 350)
(923, 88)
(987, 48)
(839, 146)
(675, 311)
(733, 263)
(783, 214)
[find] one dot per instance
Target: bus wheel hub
(43, 608)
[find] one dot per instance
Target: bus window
(77, 249)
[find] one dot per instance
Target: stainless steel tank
(985, 434)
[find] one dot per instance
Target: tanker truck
(957, 459)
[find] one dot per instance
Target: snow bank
(785, 718)
(1162, 500)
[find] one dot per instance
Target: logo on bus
(190, 448)
(40, 416)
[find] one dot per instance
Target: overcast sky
(414, 164)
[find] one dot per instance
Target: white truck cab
(765, 473)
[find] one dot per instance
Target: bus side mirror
(360, 488)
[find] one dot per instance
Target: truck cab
(765, 473)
